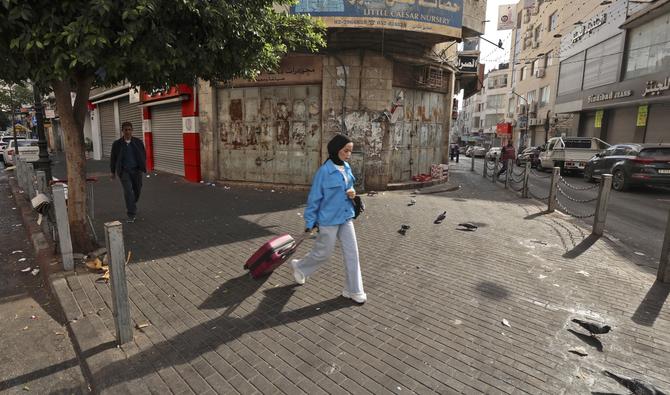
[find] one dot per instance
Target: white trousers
(323, 249)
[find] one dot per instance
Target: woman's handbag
(359, 206)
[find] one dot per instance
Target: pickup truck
(569, 153)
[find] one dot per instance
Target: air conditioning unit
(532, 108)
(539, 73)
(536, 44)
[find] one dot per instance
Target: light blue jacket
(328, 203)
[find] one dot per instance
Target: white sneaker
(358, 298)
(297, 274)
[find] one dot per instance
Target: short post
(472, 163)
(508, 174)
(42, 187)
(494, 176)
(553, 187)
(664, 264)
(117, 271)
(526, 175)
(30, 181)
(19, 173)
(486, 163)
(64, 238)
(601, 208)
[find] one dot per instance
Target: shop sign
(49, 113)
(588, 27)
(642, 113)
(655, 88)
(443, 17)
(467, 63)
(599, 118)
(165, 92)
(503, 129)
(611, 95)
(293, 69)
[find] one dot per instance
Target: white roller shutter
(131, 112)
(107, 127)
(167, 138)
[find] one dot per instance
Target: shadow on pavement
(200, 339)
(492, 290)
(651, 305)
(232, 293)
(536, 215)
(582, 247)
(588, 339)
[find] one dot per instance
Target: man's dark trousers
(132, 187)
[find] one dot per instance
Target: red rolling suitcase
(271, 255)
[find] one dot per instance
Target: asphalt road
(636, 218)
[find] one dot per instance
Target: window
(493, 120)
(550, 58)
(571, 74)
(602, 63)
(654, 152)
(538, 31)
(531, 97)
(545, 93)
(553, 21)
(510, 106)
(537, 65)
(495, 102)
(519, 16)
(524, 73)
(648, 48)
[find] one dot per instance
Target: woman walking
(330, 210)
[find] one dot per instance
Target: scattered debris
(412, 202)
(579, 351)
(22, 259)
(593, 327)
(104, 278)
(440, 218)
(467, 226)
(148, 176)
(640, 253)
(142, 326)
(541, 276)
(25, 328)
(94, 264)
(506, 323)
(584, 272)
(272, 190)
(544, 243)
(16, 252)
(372, 193)
(33, 317)
(26, 270)
(457, 322)
(26, 388)
(35, 272)
(403, 229)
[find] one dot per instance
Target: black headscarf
(335, 145)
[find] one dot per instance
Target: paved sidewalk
(433, 321)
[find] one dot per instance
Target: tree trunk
(73, 126)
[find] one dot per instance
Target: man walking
(455, 151)
(506, 153)
(128, 161)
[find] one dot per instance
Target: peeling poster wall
(270, 134)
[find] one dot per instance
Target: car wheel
(619, 181)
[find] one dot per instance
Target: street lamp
(43, 163)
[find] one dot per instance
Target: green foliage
(20, 94)
(148, 42)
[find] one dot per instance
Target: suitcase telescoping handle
(298, 241)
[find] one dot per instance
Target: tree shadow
(651, 305)
(492, 290)
(209, 335)
(588, 339)
(582, 247)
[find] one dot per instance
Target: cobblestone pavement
(36, 354)
(437, 298)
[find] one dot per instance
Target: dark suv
(631, 165)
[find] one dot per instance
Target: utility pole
(11, 104)
(44, 163)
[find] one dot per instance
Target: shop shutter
(621, 125)
(657, 124)
(588, 125)
(167, 138)
(131, 112)
(108, 130)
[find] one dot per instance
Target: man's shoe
(130, 219)
(358, 298)
(297, 274)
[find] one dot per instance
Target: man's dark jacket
(116, 160)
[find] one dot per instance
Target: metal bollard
(117, 276)
(64, 238)
(526, 175)
(553, 187)
(485, 167)
(663, 274)
(508, 173)
(472, 163)
(601, 208)
(494, 176)
(30, 181)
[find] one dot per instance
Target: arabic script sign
(588, 27)
(655, 88)
(467, 63)
(293, 69)
(443, 17)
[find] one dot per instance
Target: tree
(12, 96)
(75, 44)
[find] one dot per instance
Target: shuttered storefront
(588, 125)
(108, 130)
(131, 112)
(168, 144)
(657, 124)
(621, 125)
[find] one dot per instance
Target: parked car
(4, 142)
(569, 153)
(530, 154)
(493, 153)
(28, 150)
(632, 165)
